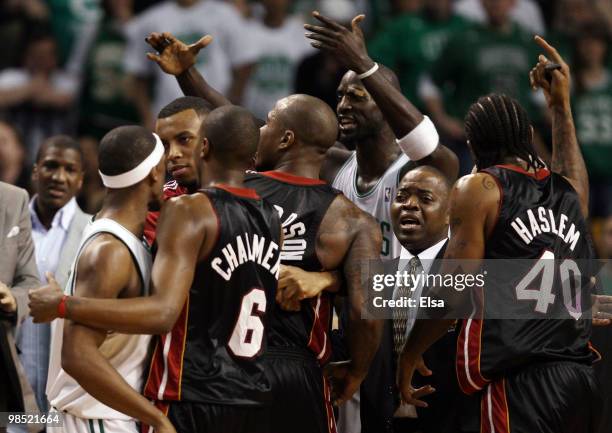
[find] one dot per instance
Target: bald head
(232, 135)
(312, 121)
(298, 127)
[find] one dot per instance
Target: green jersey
(479, 61)
(68, 18)
(410, 44)
(593, 116)
(104, 101)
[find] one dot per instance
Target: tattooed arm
(473, 207)
(567, 159)
(350, 240)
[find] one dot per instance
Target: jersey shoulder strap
(136, 246)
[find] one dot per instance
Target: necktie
(401, 316)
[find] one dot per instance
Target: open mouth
(409, 223)
(347, 123)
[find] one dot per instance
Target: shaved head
(297, 126)
(312, 121)
(232, 135)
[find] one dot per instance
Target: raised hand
(346, 45)
(45, 300)
(405, 371)
(174, 56)
(557, 89)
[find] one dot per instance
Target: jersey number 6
(247, 335)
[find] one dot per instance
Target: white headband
(139, 172)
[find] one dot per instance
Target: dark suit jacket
(449, 409)
(18, 271)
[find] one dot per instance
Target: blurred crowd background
(78, 67)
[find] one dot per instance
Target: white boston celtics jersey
(127, 353)
(375, 202)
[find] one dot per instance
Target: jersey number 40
(569, 274)
(248, 332)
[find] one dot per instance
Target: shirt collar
(426, 256)
(62, 217)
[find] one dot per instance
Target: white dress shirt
(34, 339)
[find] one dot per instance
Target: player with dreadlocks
(533, 374)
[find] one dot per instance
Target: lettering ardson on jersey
(294, 245)
(246, 248)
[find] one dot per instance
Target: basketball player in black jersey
(322, 231)
(214, 281)
(533, 375)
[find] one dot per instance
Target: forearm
(399, 112)
(567, 158)
(149, 315)
(98, 377)
(363, 336)
(193, 84)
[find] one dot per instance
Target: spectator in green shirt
(494, 57)
(593, 113)
(411, 43)
(104, 103)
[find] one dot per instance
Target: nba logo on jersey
(387, 194)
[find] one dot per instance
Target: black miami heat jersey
(304, 204)
(213, 353)
(539, 220)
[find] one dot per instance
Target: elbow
(72, 362)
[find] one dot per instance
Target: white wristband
(369, 72)
(421, 141)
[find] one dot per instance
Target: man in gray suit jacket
(57, 226)
(18, 273)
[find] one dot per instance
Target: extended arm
(403, 117)
(104, 273)
(567, 159)
(350, 239)
(473, 208)
(180, 237)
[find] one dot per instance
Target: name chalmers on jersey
(545, 222)
(246, 248)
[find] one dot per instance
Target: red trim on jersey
(170, 366)
(595, 351)
(319, 342)
(471, 379)
(540, 174)
(291, 178)
(494, 414)
(241, 192)
(329, 409)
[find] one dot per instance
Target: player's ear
(205, 148)
(287, 140)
